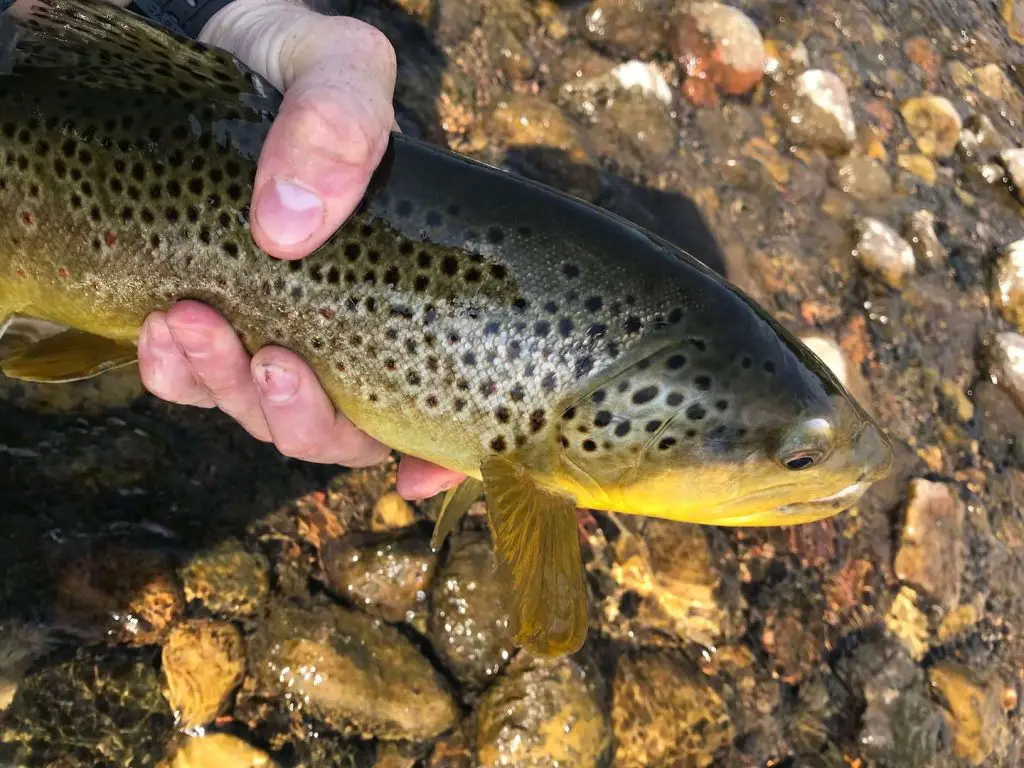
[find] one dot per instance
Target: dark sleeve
(5, 4)
(186, 17)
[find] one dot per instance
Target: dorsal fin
(93, 44)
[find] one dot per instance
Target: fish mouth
(801, 512)
(848, 494)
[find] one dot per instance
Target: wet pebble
(468, 622)
(921, 52)
(1008, 288)
(1006, 364)
(979, 139)
(1012, 161)
(112, 591)
(901, 725)
(203, 662)
(352, 671)
(815, 111)
(665, 712)
(227, 579)
(931, 553)
(542, 712)
(719, 49)
(883, 253)
(219, 750)
(678, 595)
(934, 123)
(627, 28)
(862, 179)
(391, 512)
(106, 702)
(544, 143)
(975, 705)
(379, 573)
(919, 229)
(920, 166)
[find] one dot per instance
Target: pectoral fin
(538, 550)
(457, 502)
(68, 356)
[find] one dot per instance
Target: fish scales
(556, 354)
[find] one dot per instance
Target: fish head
(737, 427)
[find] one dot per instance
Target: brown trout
(558, 355)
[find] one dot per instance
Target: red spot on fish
(29, 218)
(111, 239)
(21, 272)
(327, 314)
(62, 273)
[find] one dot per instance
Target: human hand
(337, 75)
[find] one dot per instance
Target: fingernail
(288, 213)
(277, 384)
(158, 336)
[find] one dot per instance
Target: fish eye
(806, 445)
(800, 461)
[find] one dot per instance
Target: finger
(419, 479)
(338, 75)
(164, 369)
(302, 419)
(219, 363)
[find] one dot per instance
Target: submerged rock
(677, 595)
(380, 574)
(718, 48)
(919, 230)
(931, 554)
(934, 123)
(908, 623)
(203, 662)
(542, 712)
(112, 591)
(391, 513)
(219, 750)
(227, 579)
(1006, 364)
(21, 644)
(101, 705)
(627, 28)
(975, 705)
(468, 621)
(884, 253)
(863, 179)
(1008, 288)
(664, 712)
(353, 672)
(814, 109)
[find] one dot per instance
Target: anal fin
(71, 355)
(457, 502)
(538, 550)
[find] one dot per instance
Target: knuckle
(300, 446)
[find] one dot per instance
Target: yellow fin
(457, 502)
(538, 547)
(69, 356)
(19, 331)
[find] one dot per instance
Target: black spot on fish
(589, 446)
(666, 443)
(602, 419)
(695, 412)
(703, 383)
(676, 362)
(632, 324)
(769, 367)
(498, 444)
(645, 395)
(622, 428)
(570, 270)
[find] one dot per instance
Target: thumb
(338, 78)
